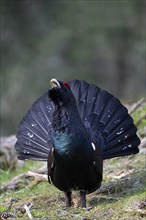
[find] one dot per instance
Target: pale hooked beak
(54, 83)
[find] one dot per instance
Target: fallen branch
(132, 108)
(20, 179)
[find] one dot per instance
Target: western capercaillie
(74, 127)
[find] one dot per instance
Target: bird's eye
(66, 85)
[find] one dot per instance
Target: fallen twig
(27, 208)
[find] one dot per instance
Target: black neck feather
(65, 117)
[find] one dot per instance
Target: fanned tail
(33, 137)
(107, 120)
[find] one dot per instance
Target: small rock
(8, 154)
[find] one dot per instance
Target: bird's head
(60, 92)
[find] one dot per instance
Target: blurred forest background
(101, 41)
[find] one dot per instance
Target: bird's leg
(68, 198)
(83, 198)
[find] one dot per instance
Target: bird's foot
(68, 201)
(83, 199)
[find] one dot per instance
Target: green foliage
(140, 119)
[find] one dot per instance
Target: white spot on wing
(93, 145)
(30, 135)
(120, 132)
(33, 124)
(117, 120)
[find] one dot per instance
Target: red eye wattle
(66, 85)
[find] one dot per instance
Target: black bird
(74, 127)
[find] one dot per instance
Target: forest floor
(121, 196)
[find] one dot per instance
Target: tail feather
(123, 137)
(33, 144)
(125, 148)
(100, 103)
(108, 155)
(33, 137)
(107, 120)
(29, 132)
(119, 130)
(37, 124)
(26, 150)
(25, 156)
(112, 106)
(116, 119)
